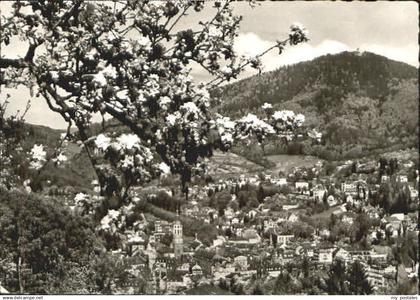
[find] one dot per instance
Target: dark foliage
(362, 103)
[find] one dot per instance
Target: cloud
(39, 113)
(250, 44)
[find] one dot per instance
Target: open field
(230, 164)
(287, 162)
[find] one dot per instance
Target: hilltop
(363, 103)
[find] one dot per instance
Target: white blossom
(80, 197)
(215, 32)
(38, 156)
(128, 209)
(256, 124)
(172, 119)
(91, 55)
(283, 115)
(127, 162)
(110, 71)
(155, 78)
(54, 75)
(296, 26)
(143, 41)
(164, 168)
(298, 34)
(300, 119)
(123, 94)
(129, 141)
(226, 70)
(164, 102)
(102, 142)
(100, 79)
(227, 137)
(203, 95)
(225, 127)
(267, 106)
(61, 158)
(109, 218)
(190, 107)
(314, 134)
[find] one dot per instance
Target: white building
(325, 233)
(413, 192)
(293, 218)
(347, 219)
(252, 236)
(348, 188)
(288, 207)
(242, 262)
(325, 256)
(331, 200)
(222, 272)
(375, 276)
(269, 224)
(184, 267)
(302, 185)
(229, 213)
(197, 271)
(343, 254)
(234, 221)
(318, 193)
(219, 241)
(384, 178)
(252, 213)
(280, 181)
(284, 239)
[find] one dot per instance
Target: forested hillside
(361, 102)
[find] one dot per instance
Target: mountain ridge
(359, 101)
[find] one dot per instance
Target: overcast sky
(385, 28)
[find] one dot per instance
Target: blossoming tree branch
(131, 61)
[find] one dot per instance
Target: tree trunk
(19, 271)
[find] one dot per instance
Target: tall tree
(305, 266)
(284, 284)
(131, 61)
(362, 225)
(44, 241)
(358, 283)
(257, 290)
(336, 281)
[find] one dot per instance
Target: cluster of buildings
(262, 241)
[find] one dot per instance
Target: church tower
(151, 255)
(177, 239)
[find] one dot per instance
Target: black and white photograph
(219, 147)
